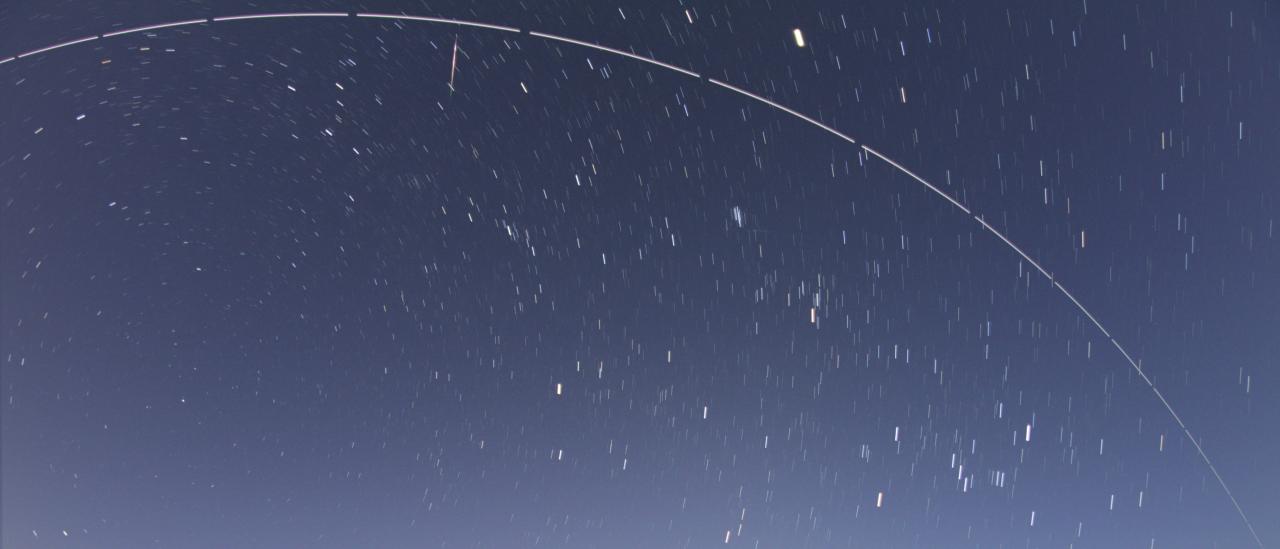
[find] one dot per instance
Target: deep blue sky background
(280, 287)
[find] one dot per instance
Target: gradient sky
(275, 283)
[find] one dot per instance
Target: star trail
(639, 275)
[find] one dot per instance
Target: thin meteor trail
(453, 66)
(868, 150)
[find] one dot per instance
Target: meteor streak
(453, 67)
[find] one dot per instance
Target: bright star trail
(265, 285)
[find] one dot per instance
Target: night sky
(352, 282)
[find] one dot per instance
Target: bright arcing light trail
(865, 149)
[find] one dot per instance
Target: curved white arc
(785, 109)
(685, 72)
(1086, 312)
(1015, 247)
(280, 16)
(438, 20)
(1186, 432)
(922, 181)
(1092, 319)
(154, 27)
(56, 46)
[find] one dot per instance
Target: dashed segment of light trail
(866, 149)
